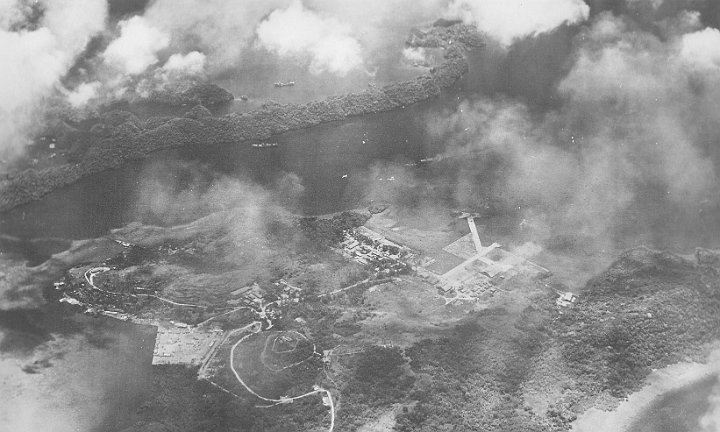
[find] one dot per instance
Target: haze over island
(343, 215)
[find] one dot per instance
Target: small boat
(344, 176)
(264, 145)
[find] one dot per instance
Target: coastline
(113, 144)
(658, 383)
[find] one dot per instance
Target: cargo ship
(264, 145)
(285, 84)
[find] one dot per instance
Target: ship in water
(264, 144)
(425, 161)
(285, 84)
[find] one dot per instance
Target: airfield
(463, 268)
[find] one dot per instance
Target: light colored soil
(408, 311)
(384, 423)
(423, 239)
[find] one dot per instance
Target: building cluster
(368, 248)
(565, 299)
(250, 293)
(479, 286)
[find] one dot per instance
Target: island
(120, 136)
(366, 317)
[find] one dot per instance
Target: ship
(264, 145)
(285, 84)
(425, 161)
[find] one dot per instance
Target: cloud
(702, 48)
(172, 192)
(635, 122)
(192, 63)
(221, 29)
(207, 26)
(297, 31)
(329, 36)
(83, 93)
(509, 20)
(36, 59)
(637, 93)
(12, 12)
(137, 46)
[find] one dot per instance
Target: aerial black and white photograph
(360, 215)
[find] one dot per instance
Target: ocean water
(679, 410)
(66, 372)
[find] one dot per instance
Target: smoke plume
(636, 116)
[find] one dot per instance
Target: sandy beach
(659, 383)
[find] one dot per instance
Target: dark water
(320, 156)
(255, 78)
(677, 411)
(117, 356)
(363, 148)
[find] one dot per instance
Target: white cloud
(137, 46)
(11, 11)
(297, 31)
(34, 61)
(702, 48)
(74, 22)
(638, 89)
(508, 20)
(221, 29)
(84, 93)
(192, 63)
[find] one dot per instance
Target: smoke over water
(599, 113)
(596, 120)
(632, 133)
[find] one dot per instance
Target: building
(566, 299)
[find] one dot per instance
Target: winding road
(282, 400)
(254, 327)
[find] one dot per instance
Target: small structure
(70, 300)
(566, 299)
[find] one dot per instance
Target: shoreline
(113, 144)
(658, 383)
